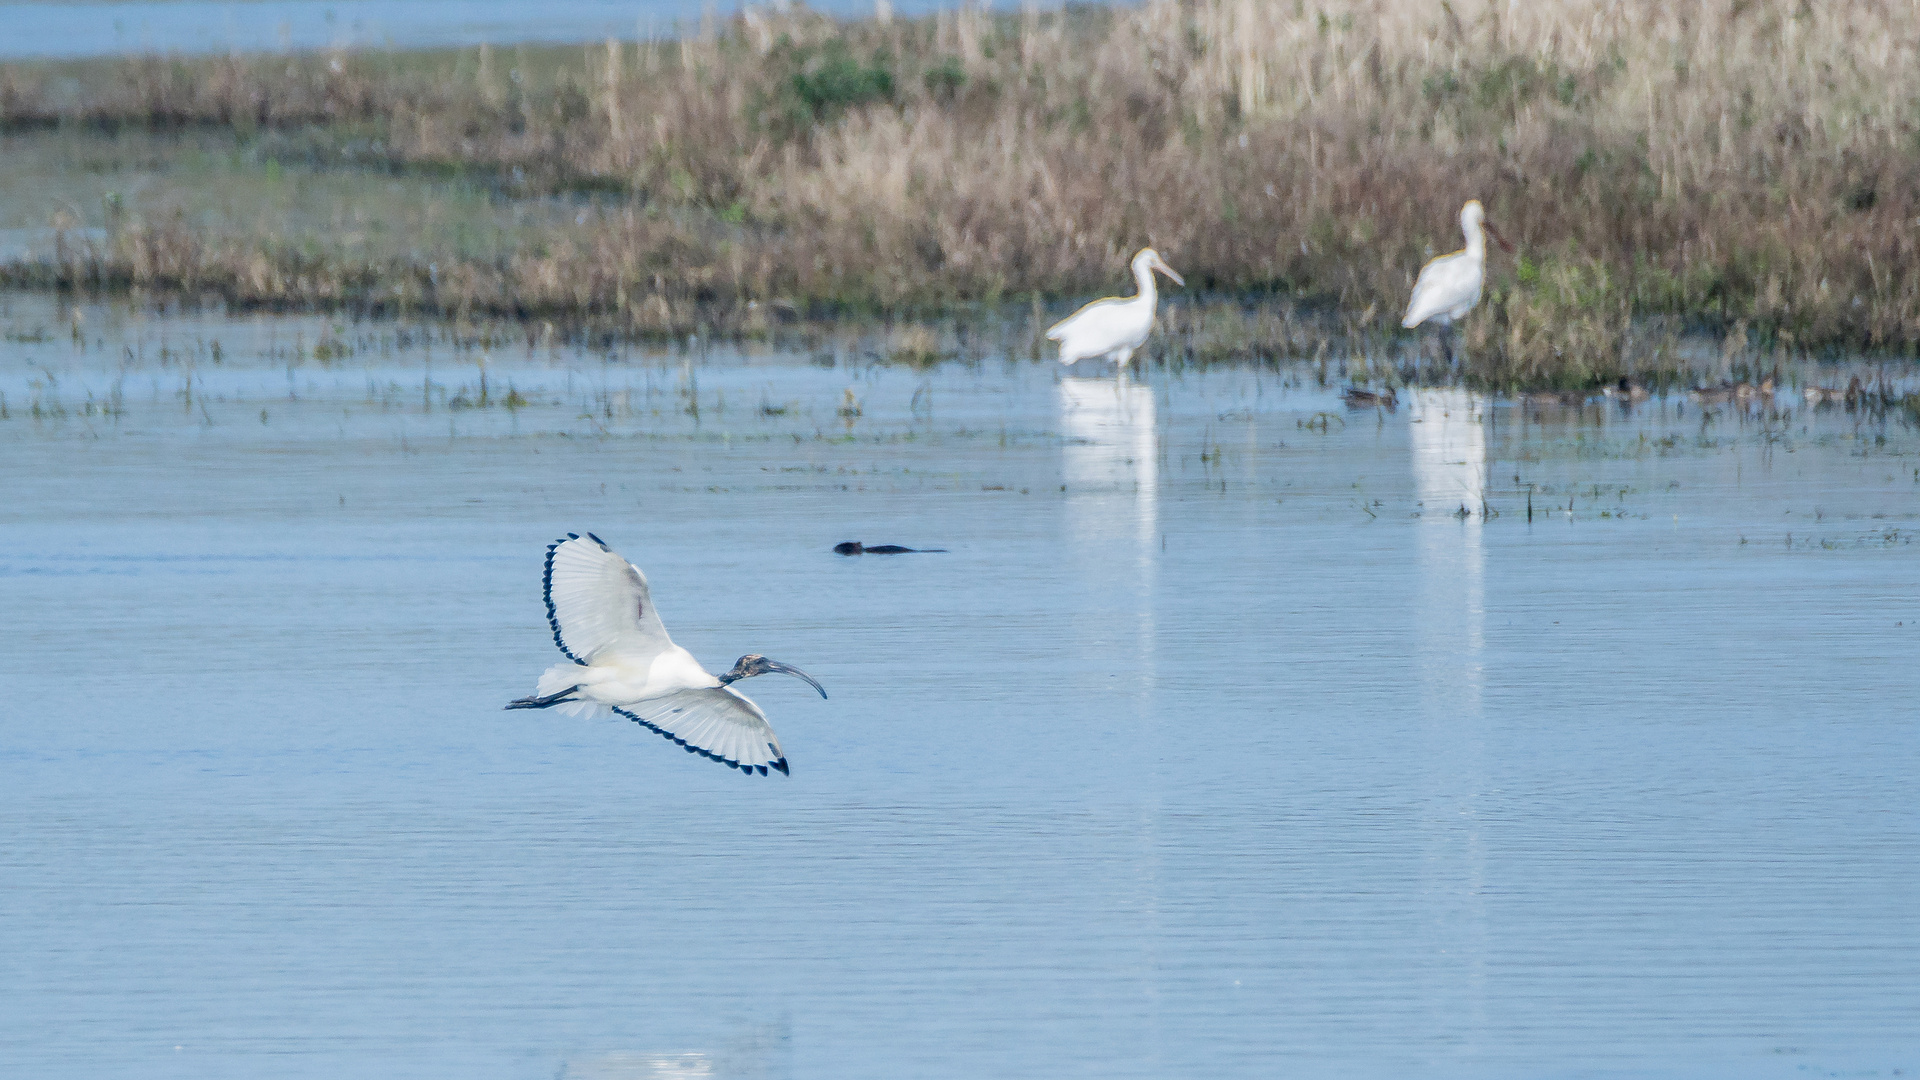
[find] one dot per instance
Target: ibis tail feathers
(553, 690)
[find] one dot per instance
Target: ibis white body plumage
(621, 661)
(1111, 329)
(1449, 286)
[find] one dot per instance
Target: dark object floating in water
(855, 547)
(1357, 398)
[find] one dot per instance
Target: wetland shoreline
(1742, 169)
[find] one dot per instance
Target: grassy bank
(1752, 165)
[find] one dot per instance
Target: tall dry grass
(1731, 161)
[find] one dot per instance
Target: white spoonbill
(623, 662)
(1449, 285)
(1112, 328)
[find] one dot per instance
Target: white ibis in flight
(620, 660)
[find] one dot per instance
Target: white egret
(623, 662)
(1449, 285)
(1112, 328)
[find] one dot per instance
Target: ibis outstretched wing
(598, 603)
(716, 723)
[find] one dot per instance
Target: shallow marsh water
(62, 29)
(1220, 743)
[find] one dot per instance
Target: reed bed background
(1740, 165)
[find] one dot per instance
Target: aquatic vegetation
(1718, 162)
(916, 345)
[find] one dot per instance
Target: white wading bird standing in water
(1449, 285)
(623, 662)
(1112, 328)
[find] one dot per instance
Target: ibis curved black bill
(752, 664)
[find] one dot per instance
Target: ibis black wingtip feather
(546, 593)
(692, 749)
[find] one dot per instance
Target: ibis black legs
(546, 702)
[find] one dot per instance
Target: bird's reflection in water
(1448, 443)
(620, 1065)
(759, 1053)
(1449, 446)
(1111, 467)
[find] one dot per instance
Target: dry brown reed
(1717, 160)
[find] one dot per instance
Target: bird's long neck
(1476, 241)
(1143, 277)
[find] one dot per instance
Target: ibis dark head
(754, 664)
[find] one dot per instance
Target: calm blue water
(1217, 746)
(50, 30)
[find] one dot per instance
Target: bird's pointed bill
(754, 664)
(779, 668)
